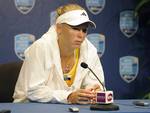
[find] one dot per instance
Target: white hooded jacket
(41, 77)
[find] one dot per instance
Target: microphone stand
(97, 78)
(102, 107)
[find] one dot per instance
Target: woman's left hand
(94, 88)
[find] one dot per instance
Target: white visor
(75, 18)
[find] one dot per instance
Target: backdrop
(124, 52)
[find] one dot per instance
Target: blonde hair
(66, 8)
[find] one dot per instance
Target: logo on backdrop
(98, 40)
(53, 15)
(129, 66)
(22, 41)
(95, 6)
(24, 6)
(128, 23)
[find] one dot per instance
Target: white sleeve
(35, 79)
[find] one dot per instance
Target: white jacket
(41, 76)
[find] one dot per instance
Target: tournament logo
(24, 6)
(110, 97)
(53, 15)
(98, 40)
(128, 23)
(128, 68)
(22, 42)
(95, 6)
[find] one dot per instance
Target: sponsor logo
(22, 42)
(95, 6)
(24, 6)
(128, 68)
(109, 97)
(128, 23)
(101, 97)
(83, 14)
(98, 40)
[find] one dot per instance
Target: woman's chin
(76, 46)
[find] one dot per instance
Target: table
(126, 106)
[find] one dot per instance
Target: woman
(51, 71)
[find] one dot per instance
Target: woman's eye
(78, 29)
(84, 30)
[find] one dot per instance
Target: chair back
(8, 76)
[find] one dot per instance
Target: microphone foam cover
(84, 65)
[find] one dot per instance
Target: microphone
(84, 65)
(104, 99)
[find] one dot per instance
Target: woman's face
(72, 36)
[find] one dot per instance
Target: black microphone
(84, 65)
(104, 99)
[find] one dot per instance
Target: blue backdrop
(37, 22)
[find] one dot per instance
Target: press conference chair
(8, 76)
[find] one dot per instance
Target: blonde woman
(51, 71)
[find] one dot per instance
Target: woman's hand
(94, 88)
(82, 96)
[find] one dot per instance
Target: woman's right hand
(82, 96)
